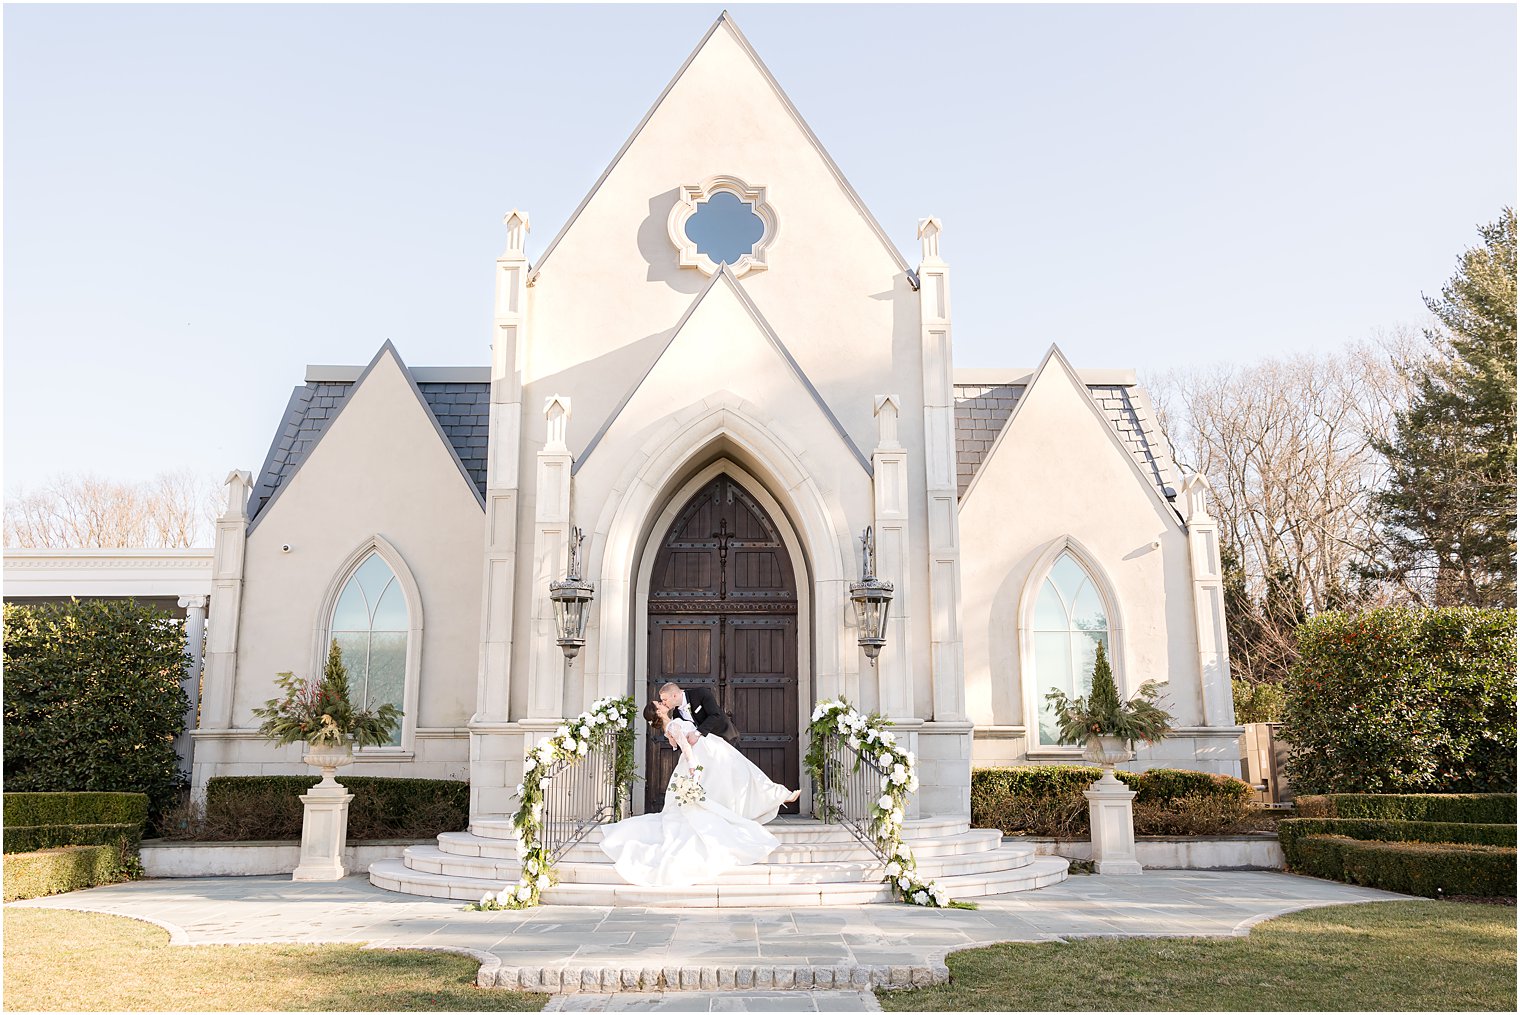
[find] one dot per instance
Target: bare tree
(1287, 445)
(174, 509)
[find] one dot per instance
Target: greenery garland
(570, 742)
(869, 736)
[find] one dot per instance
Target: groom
(700, 707)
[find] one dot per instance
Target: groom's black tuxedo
(710, 719)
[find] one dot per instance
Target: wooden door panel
(722, 615)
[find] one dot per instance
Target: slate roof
(981, 410)
(461, 408)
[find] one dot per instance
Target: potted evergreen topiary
(1107, 726)
(321, 713)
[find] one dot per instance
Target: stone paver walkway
(595, 950)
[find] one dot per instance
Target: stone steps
(774, 871)
(837, 846)
(1032, 873)
(788, 828)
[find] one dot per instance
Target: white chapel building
(722, 372)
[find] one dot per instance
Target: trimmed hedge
(1047, 800)
(1413, 868)
(1464, 808)
(51, 871)
(1400, 700)
(30, 838)
(1397, 831)
(257, 807)
(93, 698)
(75, 808)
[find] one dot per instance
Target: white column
(489, 744)
(551, 542)
(946, 658)
(889, 462)
(324, 834)
(195, 633)
(1110, 810)
(1208, 605)
(226, 603)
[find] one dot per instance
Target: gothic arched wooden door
(723, 615)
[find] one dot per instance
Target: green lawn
(1387, 956)
(57, 960)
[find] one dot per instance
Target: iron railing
(582, 793)
(851, 787)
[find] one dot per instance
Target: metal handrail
(582, 793)
(851, 786)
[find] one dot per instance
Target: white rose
(870, 736)
(887, 738)
(488, 898)
(563, 731)
(898, 778)
(622, 724)
(542, 882)
(582, 747)
(842, 726)
(912, 758)
(897, 816)
(885, 803)
(913, 784)
(903, 851)
(586, 731)
(854, 743)
(885, 760)
(543, 784)
(531, 866)
(894, 869)
(524, 893)
(904, 884)
(922, 898)
(519, 789)
(537, 810)
(941, 899)
(522, 850)
(530, 763)
(545, 751)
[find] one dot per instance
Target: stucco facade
(631, 371)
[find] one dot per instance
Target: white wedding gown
(688, 844)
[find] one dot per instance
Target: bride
(693, 842)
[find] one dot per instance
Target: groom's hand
(692, 738)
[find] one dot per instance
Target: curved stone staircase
(816, 864)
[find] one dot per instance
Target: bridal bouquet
(687, 790)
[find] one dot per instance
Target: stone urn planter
(329, 758)
(1108, 752)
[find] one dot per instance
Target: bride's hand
(692, 738)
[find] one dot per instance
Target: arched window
(1069, 624)
(370, 624)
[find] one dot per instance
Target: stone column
(491, 745)
(324, 834)
(551, 544)
(195, 633)
(1110, 808)
(1208, 605)
(889, 461)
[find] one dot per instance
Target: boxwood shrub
(1414, 868)
(1401, 700)
(1047, 800)
(1468, 808)
(257, 807)
(51, 871)
(1397, 831)
(36, 821)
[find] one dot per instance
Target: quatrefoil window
(722, 221)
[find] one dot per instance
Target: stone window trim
(382, 547)
(1028, 673)
(692, 195)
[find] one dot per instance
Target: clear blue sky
(200, 200)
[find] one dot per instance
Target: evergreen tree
(1449, 508)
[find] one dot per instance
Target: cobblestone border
(562, 979)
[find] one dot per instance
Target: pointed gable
(1055, 408)
(755, 365)
(452, 411)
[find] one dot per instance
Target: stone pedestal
(1110, 806)
(324, 834)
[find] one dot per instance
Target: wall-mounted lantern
(572, 597)
(872, 598)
